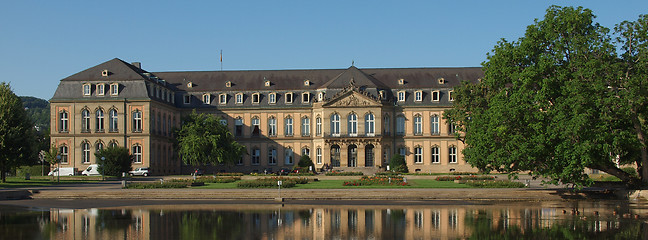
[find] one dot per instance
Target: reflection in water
(579, 220)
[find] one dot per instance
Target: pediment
(353, 99)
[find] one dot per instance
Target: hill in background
(38, 110)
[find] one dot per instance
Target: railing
(352, 135)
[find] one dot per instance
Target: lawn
(337, 184)
(20, 182)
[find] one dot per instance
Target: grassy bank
(20, 182)
(338, 184)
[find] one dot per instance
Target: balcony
(353, 135)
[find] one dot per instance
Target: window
(85, 152)
(401, 81)
(85, 120)
(240, 160)
(288, 126)
(452, 128)
(418, 155)
(256, 130)
(305, 97)
(101, 89)
(223, 121)
(239, 98)
(452, 154)
(187, 99)
(63, 152)
(386, 125)
(272, 98)
(418, 125)
(436, 95)
(436, 157)
(418, 96)
(307, 82)
(137, 153)
(222, 98)
(272, 126)
(305, 126)
(441, 80)
(451, 96)
(320, 96)
(228, 84)
(400, 125)
(206, 98)
(401, 96)
(335, 125)
(137, 121)
(318, 155)
(267, 83)
(99, 146)
(114, 121)
(238, 127)
(100, 120)
(352, 124)
(272, 156)
(305, 152)
(434, 124)
(114, 89)
(288, 160)
(256, 97)
(402, 151)
(113, 143)
(86, 89)
(370, 125)
(318, 126)
(289, 97)
(256, 153)
(381, 93)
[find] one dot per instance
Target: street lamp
(58, 170)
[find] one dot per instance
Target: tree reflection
(211, 225)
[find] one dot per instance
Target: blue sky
(42, 42)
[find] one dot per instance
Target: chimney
(137, 64)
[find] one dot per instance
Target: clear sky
(42, 42)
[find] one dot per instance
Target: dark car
(284, 171)
(197, 172)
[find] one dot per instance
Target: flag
(221, 55)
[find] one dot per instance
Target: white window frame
(256, 123)
(222, 98)
(418, 124)
(306, 97)
(256, 97)
(85, 120)
(335, 125)
(434, 124)
(137, 121)
(87, 89)
(318, 155)
(418, 96)
(418, 154)
(137, 153)
(85, 152)
(436, 154)
(289, 156)
(206, 98)
(452, 154)
(101, 89)
(352, 124)
(318, 126)
(114, 89)
(239, 98)
(401, 96)
(64, 151)
(288, 126)
(451, 96)
(186, 99)
(272, 98)
(288, 97)
(272, 127)
(63, 121)
(99, 120)
(436, 96)
(370, 125)
(305, 126)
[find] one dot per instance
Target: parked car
(284, 171)
(63, 172)
(91, 170)
(142, 171)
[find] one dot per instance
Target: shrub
(630, 170)
(305, 162)
(168, 184)
(387, 174)
(448, 178)
(495, 184)
(397, 164)
(463, 173)
(234, 174)
(300, 173)
(368, 181)
(271, 182)
(334, 173)
(207, 179)
(469, 178)
(113, 161)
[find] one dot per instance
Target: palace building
(349, 119)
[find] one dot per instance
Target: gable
(352, 98)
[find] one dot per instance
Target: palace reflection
(340, 222)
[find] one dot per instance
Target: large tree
(114, 161)
(555, 102)
(203, 139)
(17, 141)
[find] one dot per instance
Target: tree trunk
(624, 176)
(644, 152)
(4, 176)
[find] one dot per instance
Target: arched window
(288, 126)
(418, 154)
(85, 120)
(434, 124)
(137, 121)
(114, 121)
(99, 145)
(272, 156)
(452, 154)
(352, 124)
(318, 155)
(272, 126)
(85, 152)
(305, 152)
(400, 125)
(436, 157)
(418, 125)
(63, 121)
(335, 125)
(370, 129)
(305, 126)
(289, 155)
(137, 153)
(318, 126)
(256, 129)
(63, 152)
(100, 120)
(113, 143)
(256, 153)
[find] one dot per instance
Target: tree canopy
(114, 160)
(559, 100)
(204, 139)
(17, 141)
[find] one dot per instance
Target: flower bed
(234, 174)
(271, 182)
(385, 181)
(495, 184)
(334, 173)
(448, 178)
(390, 174)
(471, 177)
(207, 179)
(302, 174)
(158, 185)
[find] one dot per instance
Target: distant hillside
(38, 110)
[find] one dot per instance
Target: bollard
(123, 183)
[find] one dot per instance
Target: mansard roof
(353, 76)
(117, 70)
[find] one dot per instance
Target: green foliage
(397, 164)
(17, 138)
(272, 182)
(334, 173)
(208, 179)
(555, 102)
(495, 184)
(370, 181)
(158, 185)
(116, 160)
(38, 111)
(36, 170)
(305, 162)
(203, 139)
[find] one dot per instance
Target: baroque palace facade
(351, 119)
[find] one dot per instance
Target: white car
(143, 171)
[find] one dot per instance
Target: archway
(335, 156)
(369, 155)
(352, 160)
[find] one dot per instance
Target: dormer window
(418, 96)
(381, 93)
(307, 82)
(228, 84)
(189, 84)
(401, 81)
(267, 83)
(206, 98)
(239, 98)
(187, 99)
(101, 89)
(104, 73)
(451, 96)
(305, 97)
(272, 98)
(320, 96)
(401, 96)
(436, 96)
(441, 80)
(86, 89)
(256, 97)
(222, 98)
(289, 97)
(114, 89)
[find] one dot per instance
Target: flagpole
(221, 59)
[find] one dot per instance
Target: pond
(408, 220)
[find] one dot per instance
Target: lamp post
(58, 170)
(102, 161)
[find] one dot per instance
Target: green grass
(20, 182)
(337, 184)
